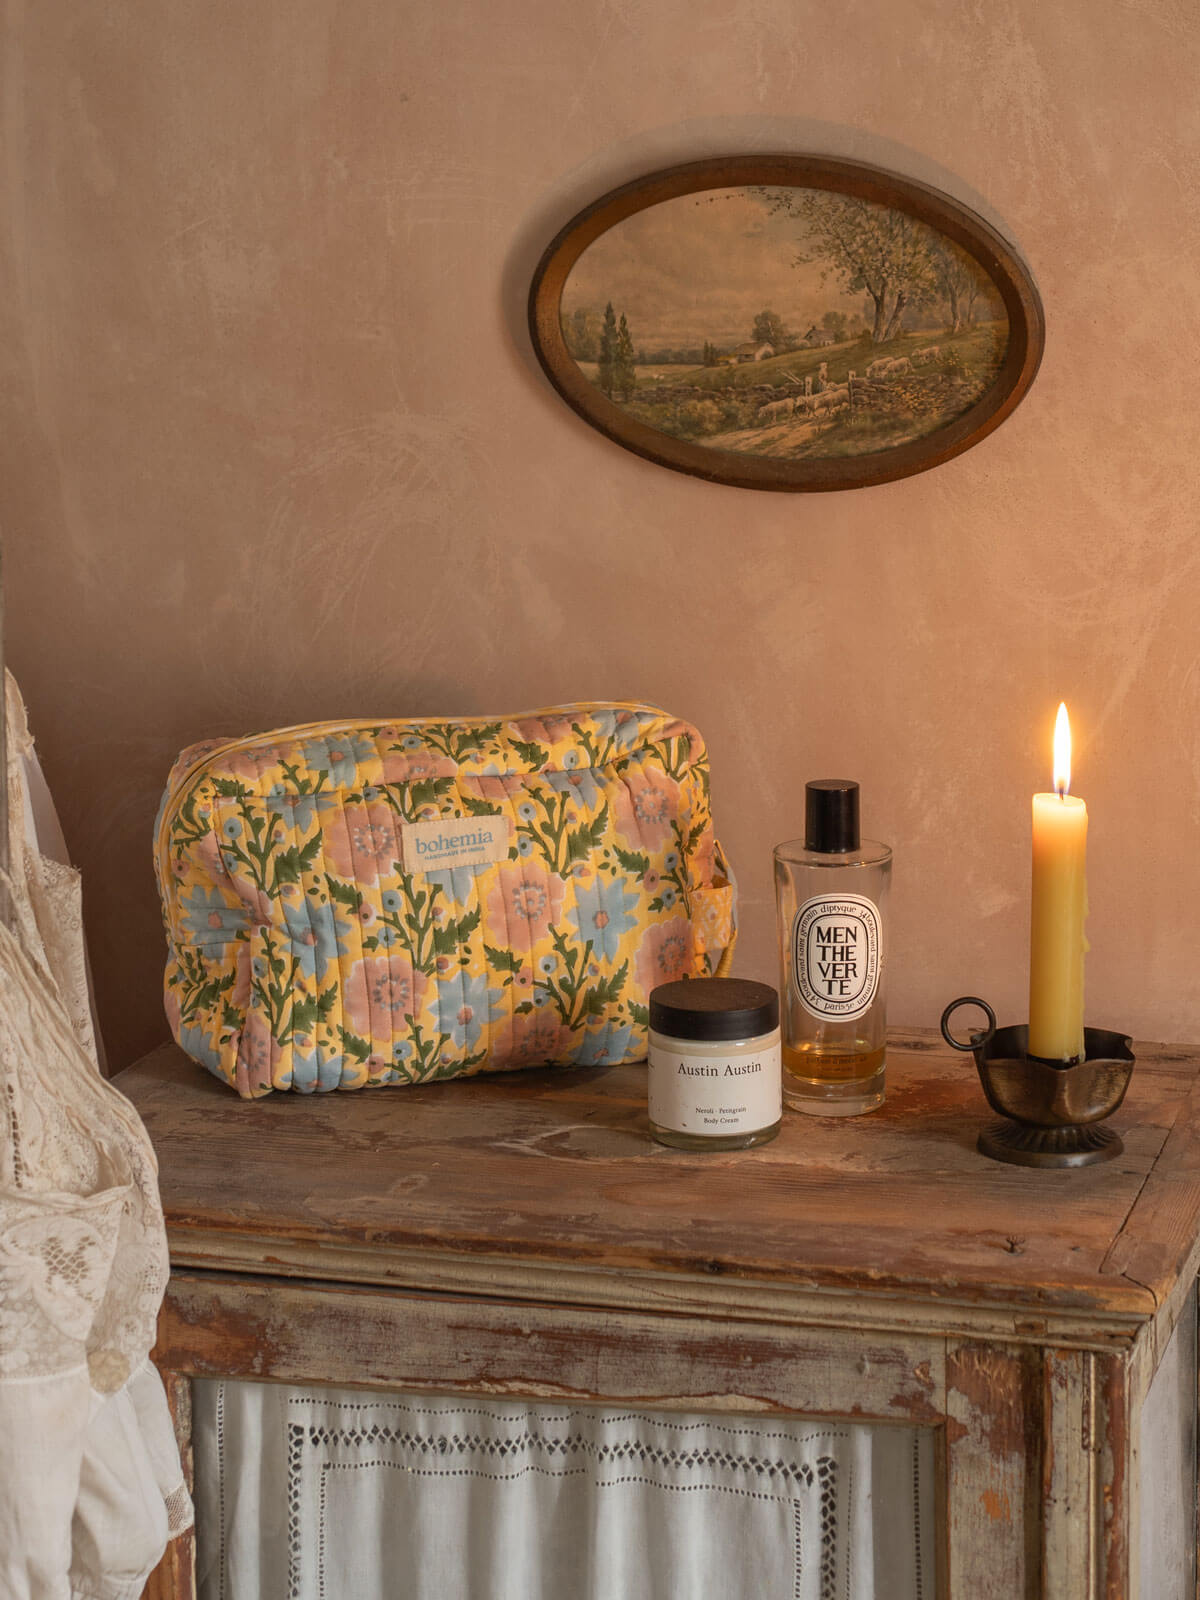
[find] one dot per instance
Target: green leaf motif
(344, 893)
(501, 960)
(582, 841)
(632, 860)
(358, 1048)
(533, 754)
(478, 808)
(455, 934)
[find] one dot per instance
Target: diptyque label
(837, 955)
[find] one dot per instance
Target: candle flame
(1062, 752)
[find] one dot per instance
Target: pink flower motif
(380, 992)
(209, 853)
(645, 807)
(255, 1052)
(702, 857)
(526, 899)
(665, 954)
(250, 763)
(543, 730)
(650, 881)
(412, 766)
(536, 1039)
(361, 842)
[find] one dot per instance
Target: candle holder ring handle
(977, 1039)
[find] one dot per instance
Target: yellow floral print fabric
(307, 950)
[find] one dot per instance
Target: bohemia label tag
(454, 842)
(837, 953)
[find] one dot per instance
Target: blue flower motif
(671, 860)
(402, 1049)
(209, 920)
(603, 913)
(570, 760)
(456, 883)
(580, 783)
(669, 895)
(541, 998)
(197, 1044)
(392, 900)
(296, 811)
(524, 845)
(465, 1003)
(329, 1073)
(527, 811)
(305, 1070)
(339, 754)
(233, 828)
(547, 964)
(317, 934)
(412, 741)
(623, 732)
(604, 1047)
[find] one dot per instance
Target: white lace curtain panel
(318, 1494)
(90, 1481)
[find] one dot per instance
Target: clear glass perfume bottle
(831, 892)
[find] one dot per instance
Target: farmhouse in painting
(753, 352)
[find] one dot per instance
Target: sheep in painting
(878, 368)
(775, 409)
(922, 358)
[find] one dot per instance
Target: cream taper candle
(1059, 907)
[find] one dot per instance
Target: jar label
(718, 1095)
(837, 955)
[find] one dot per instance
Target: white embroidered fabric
(316, 1494)
(90, 1480)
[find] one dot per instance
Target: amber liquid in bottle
(831, 895)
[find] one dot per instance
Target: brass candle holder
(1052, 1108)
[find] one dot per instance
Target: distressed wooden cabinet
(520, 1235)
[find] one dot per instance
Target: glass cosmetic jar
(714, 1068)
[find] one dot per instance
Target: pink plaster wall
(275, 448)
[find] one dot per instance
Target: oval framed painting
(786, 322)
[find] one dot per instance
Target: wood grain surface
(546, 1173)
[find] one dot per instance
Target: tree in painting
(624, 370)
(770, 328)
(957, 280)
(606, 372)
(869, 247)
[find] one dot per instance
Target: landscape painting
(841, 328)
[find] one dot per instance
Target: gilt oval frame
(999, 262)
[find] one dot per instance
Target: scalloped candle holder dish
(1052, 1110)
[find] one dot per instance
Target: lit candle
(1057, 943)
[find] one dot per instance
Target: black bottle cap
(714, 1008)
(831, 816)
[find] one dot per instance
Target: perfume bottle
(831, 898)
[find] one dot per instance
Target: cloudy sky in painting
(702, 267)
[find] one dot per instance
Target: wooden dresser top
(545, 1185)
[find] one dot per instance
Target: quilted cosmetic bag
(350, 904)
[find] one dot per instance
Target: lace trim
(450, 1455)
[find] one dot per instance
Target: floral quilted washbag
(350, 904)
